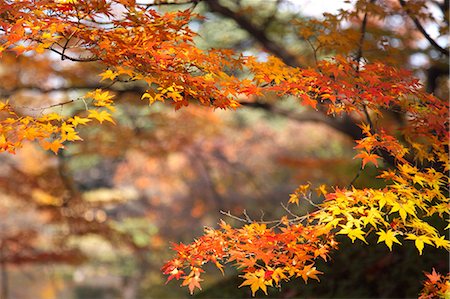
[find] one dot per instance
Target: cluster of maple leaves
(436, 286)
(136, 43)
(267, 256)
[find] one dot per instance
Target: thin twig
(249, 220)
(314, 52)
(233, 216)
(358, 174)
(288, 210)
(308, 199)
(262, 215)
(66, 44)
(79, 59)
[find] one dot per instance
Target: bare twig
(308, 199)
(249, 220)
(358, 174)
(228, 214)
(289, 211)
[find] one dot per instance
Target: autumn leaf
(78, 121)
(306, 100)
(68, 133)
(433, 277)
(108, 74)
(192, 283)
(365, 129)
(352, 233)
(54, 146)
(309, 272)
(256, 281)
(100, 116)
(293, 198)
(387, 237)
(368, 158)
(441, 242)
(322, 190)
(419, 241)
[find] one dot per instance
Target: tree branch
(343, 125)
(359, 54)
(255, 32)
(422, 30)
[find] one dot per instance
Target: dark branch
(359, 54)
(77, 59)
(255, 32)
(340, 124)
(422, 30)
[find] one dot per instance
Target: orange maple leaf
(306, 99)
(192, 283)
(368, 157)
(433, 277)
(54, 146)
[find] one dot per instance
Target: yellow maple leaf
(293, 198)
(78, 121)
(54, 146)
(352, 233)
(256, 281)
(441, 242)
(108, 74)
(100, 116)
(388, 237)
(68, 133)
(322, 189)
(101, 98)
(151, 98)
(419, 241)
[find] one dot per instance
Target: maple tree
(348, 81)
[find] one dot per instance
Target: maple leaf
(322, 189)
(302, 189)
(388, 237)
(372, 216)
(54, 146)
(365, 129)
(278, 274)
(352, 233)
(68, 133)
(108, 74)
(367, 158)
(419, 241)
(192, 283)
(441, 242)
(293, 198)
(78, 121)
(433, 277)
(101, 99)
(256, 281)
(309, 272)
(151, 98)
(100, 116)
(306, 100)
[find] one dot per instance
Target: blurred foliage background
(96, 221)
